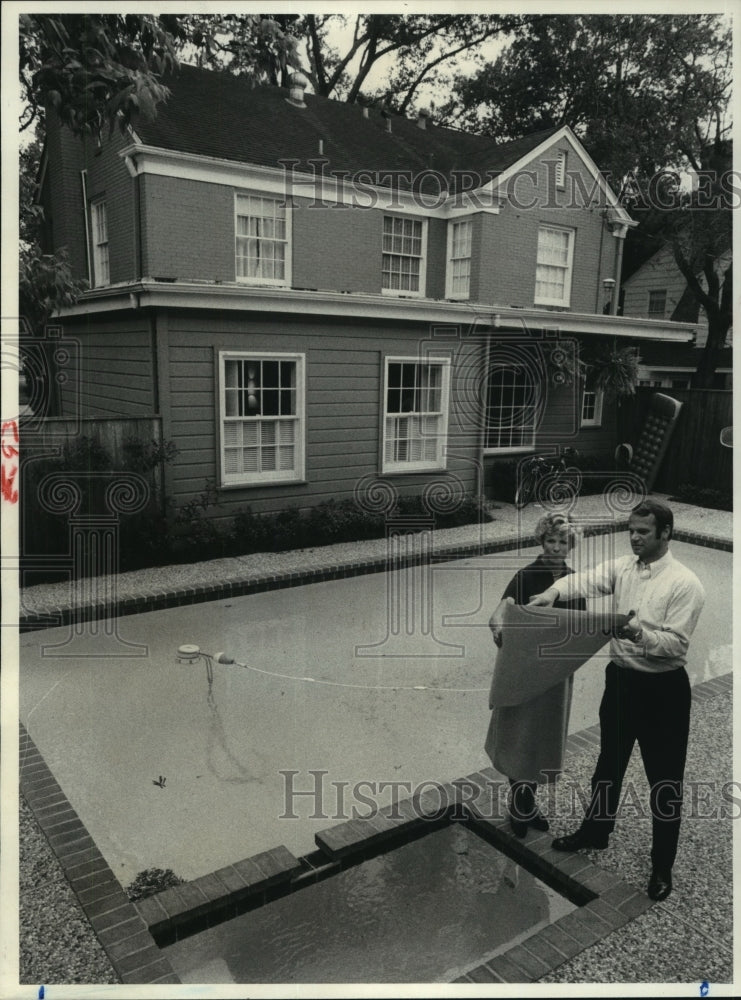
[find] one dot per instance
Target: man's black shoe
(660, 884)
(581, 838)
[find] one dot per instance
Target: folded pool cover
(543, 646)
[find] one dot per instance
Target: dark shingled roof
(220, 115)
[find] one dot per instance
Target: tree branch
(317, 57)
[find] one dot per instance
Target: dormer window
(262, 240)
(403, 260)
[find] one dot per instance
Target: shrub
(250, 532)
(333, 521)
(150, 881)
(195, 534)
(342, 521)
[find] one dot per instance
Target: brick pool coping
(54, 616)
(132, 933)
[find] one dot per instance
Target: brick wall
(188, 229)
(505, 268)
(337, 248)
(437, 249)
(61, 195)
(108, 179)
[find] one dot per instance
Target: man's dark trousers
(653, 708)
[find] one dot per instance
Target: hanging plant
(615, 371)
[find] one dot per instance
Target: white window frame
(261, 478)
(450, 293)
(656, 291)
(527, 434)
(287, 242)
(568, 269)
(402, 292)
(440, 460)
(99, 242)
(598, 400)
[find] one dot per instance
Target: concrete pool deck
(150, 589)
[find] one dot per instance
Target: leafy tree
(265, 49)
(419, 45)
(94, 68)
(45, 281)
(644, 93)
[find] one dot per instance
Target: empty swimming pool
(330, 689)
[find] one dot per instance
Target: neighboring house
(658, 290)
(313, 296)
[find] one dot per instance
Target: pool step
(192, 906)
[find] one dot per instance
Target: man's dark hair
(663, 514)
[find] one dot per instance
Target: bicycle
(553, 481)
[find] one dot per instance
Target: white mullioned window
(101, 264)
(591, 407)
(262, 417)
(415, 414)
(263, 245)
(511, 409)
(459, 259)
(554, 266)
(403, 257)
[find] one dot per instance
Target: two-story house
(313, 295)
(658, 290)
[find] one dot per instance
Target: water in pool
(420, 913)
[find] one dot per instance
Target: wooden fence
(695, 454)
(48, 437)
(52, 433)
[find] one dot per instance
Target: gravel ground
(685, 939)
(57, 943)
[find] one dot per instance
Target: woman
(525, 739)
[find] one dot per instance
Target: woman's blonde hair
(555, 524)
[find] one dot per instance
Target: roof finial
(297, 83)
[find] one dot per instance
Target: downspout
(619, 230)
(618, 270)
(88, 255)
(482, 434)
(598, 292)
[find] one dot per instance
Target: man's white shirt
(665, 596)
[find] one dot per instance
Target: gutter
(363, 305)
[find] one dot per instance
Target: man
(647, 691)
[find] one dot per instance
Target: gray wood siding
(344, 373)
(114, 376)
(658, 273)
